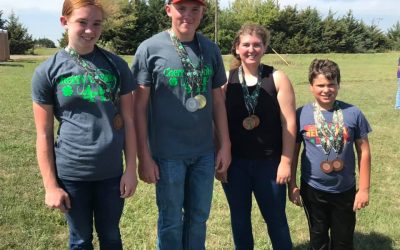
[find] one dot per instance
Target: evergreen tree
(20, 40)
(63, 41)
(3, 22)
(394, 36)
(44, 42)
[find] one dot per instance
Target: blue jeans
(184, 194)
(398, 94)
(246, 177)
(99, 200)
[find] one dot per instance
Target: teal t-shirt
(174, 132)
(87, 147)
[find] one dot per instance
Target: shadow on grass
(371, 241)
(11, 65)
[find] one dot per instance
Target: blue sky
(41, 17)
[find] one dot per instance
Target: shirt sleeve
(219, 77)
(42, 89)
(142, 74)
(363, 127)
(127, 83)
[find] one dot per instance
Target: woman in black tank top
(260, 107)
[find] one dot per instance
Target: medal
(331, 136)
(326, 167)
(201, 99)
(256, 120)
(193, 74)
(192, 104)
(118, 122)
(250, 100)
(249, 123)
(337, 165)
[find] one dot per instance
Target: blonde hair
(248, 29)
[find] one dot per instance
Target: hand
(222, 176)
(128, 184)
(148, 171)
(222, 163)
(57, 198)
(294, 196)
(361, 200)
(283, 174)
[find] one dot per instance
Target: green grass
(368, 81)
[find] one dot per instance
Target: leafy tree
(119, 30)
(20, 40)
(45, 42)
(228, 26)
(263, 12)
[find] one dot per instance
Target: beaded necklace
(95, 73)
(331, 137)
(250, 101)
(193, 73)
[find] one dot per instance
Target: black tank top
(265, 140)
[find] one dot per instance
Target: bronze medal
(249, 123)
(337, 164)
(201, 99)
(326, 167)
(118, 121)
(256, 120)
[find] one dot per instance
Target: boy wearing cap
(180, 74)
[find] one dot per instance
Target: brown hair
(326, 67)
(70, 5)
(248, 29)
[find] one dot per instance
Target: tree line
(293, 30)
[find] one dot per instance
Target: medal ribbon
(94, 72)
(250, 101)
(194, 74)
(331, 137)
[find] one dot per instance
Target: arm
(293, 190)
(223, 159)
(148, 169)
(55, 196)
(364, 164)
(129, 178)
(287, 102)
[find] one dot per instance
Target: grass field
(368, 81)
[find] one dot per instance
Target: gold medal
(337, 165)
(256, 120)
(249, 123)
(201, 100)
(118, 121)
(326, 167)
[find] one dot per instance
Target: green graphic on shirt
(86, 86)
(177, 78)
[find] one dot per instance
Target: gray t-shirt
(174, 132)
(87, 147)
(356, 127)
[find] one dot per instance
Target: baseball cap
(202, 2)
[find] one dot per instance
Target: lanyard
(330, 136)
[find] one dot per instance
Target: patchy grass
(368, 81)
